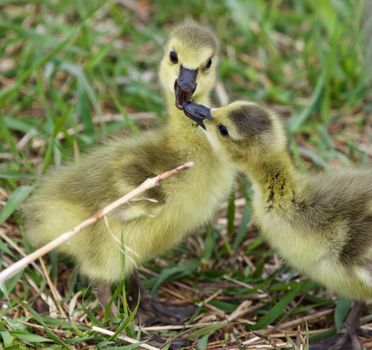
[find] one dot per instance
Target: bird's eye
(223, 130)
(208, 65)
(173, 56)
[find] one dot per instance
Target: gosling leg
(155, 311)
(347, 337)
(104, 295)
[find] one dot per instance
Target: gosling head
(244, 132)
(188, 68)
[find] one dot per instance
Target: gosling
(320, 224)
(144, 229)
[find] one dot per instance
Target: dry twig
(64, 237)
(125, 338)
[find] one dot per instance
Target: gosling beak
(197, 112)
(185, 86)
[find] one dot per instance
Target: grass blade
(343, 307)
(275, 312)
(243, 226)
(14, 201)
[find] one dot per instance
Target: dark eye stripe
(173, 57)
(223, 130)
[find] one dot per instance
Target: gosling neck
(273, 178)
(186, 137)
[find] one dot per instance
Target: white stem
(125, 338)
(64, 237)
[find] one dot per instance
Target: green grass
(66, 64)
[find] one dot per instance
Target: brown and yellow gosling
(320, 224)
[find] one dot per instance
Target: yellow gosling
(320, 224)
(144, 229)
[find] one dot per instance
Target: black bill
(197, 112)
(185, 86)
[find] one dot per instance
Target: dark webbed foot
(152, 311)
(346, 338)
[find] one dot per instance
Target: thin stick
(177, 327)
(125, 338)
(64, 237)
(300, 320)
(57, 297)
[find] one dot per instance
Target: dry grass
(72, 73)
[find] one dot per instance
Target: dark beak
(185, 86)
(197, 112)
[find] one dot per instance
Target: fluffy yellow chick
(320, 224)
(144, 229)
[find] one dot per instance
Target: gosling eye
(173, 57)
(208, 65)
(223, 130)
